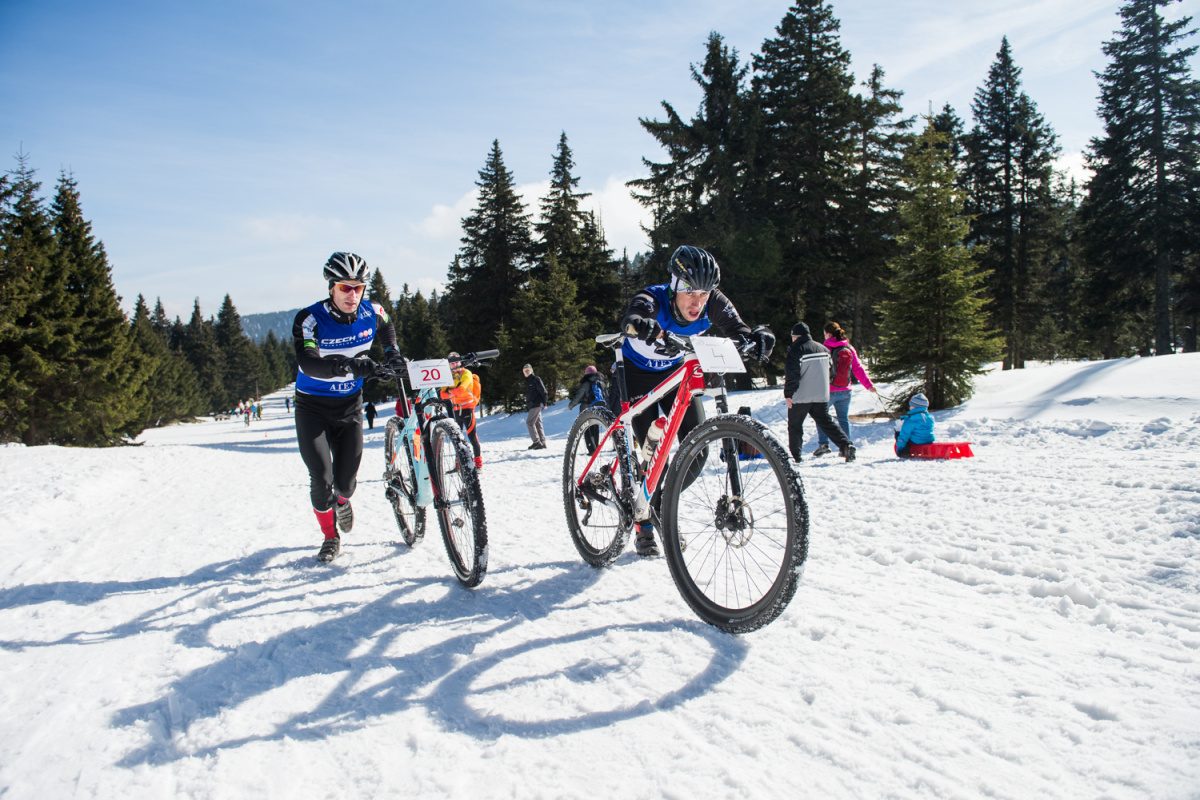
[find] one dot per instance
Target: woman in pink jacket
(843, 360)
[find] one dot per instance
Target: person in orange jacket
(464, 396)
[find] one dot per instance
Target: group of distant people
(333, 336)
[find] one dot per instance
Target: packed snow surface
(1022, 624)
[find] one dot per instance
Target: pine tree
(548, 329)
(803, 80)
(933, 330)
(574, 238)
(1140, 220)
(98, 370)
(377, 292)
(164, 385)
(38, 335)
(491, 266)
(559, 229)
(241, 364)
(1010, 153)
(424, 335)
(880, 138)
(199, 346)
(705, 193)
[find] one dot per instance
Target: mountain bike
(728, 503)
(429, 462)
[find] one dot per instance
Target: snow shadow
(366, 645)
(244, 571)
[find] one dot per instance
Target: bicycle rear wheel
(401, 481)
(459, 502)
(737, 537)
(598, 505)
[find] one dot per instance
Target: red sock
(341, 501)
(325, 520)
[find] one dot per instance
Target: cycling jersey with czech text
(325, 336)
(657, 299)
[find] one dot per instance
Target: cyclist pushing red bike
(688, 305)
(734, 526)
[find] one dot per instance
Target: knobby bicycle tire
(598, 524)
(459, 501)
(401, 483)
(738, 563)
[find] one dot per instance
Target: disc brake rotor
(734, 519)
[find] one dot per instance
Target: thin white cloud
(290, 228)
(621, 216)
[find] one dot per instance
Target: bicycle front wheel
(597, 503)
(459, 501)
(401, 481)
(736, 537)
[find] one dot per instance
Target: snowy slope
(1026, 623)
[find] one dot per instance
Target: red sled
(941, 450)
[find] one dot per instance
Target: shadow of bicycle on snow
(381, 652)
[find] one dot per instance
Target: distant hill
(256, 326)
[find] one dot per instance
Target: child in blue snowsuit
(917, 427)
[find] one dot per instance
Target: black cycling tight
(329, 432)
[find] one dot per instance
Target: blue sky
(231, 146)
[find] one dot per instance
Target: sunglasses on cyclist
(351, 288)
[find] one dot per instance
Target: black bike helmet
(694, 270)
(345, 267)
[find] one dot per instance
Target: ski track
(1024, 623)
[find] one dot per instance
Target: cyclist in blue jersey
(688, 305)
(332, 338)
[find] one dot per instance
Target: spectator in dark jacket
(806, 390)
(535, 401)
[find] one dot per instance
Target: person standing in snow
(806, 391)
(332, 338)
(687, 305)
(843, 361)
(917, 427)
(535, 400)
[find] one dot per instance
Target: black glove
(647, 328)
(363, 367)
(395, 362)
(764, 342)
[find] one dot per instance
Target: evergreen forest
(942, 243)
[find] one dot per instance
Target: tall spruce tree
(165, 385)
(1010, 154)
(881, 135)
(559, 229)
(934, 335)
(492, 265)
(705, 193)
(1140, 216)
(377, 292)
(99, 369)
(42, 334)
(200, 348)
(241, 361)
(574, 238)
(548, 330)
(809, 115)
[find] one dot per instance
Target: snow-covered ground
(1022, 624)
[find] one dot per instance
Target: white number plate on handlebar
(430, 373)
(717, 354)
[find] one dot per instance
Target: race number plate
(717, 354)
(430, 373)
